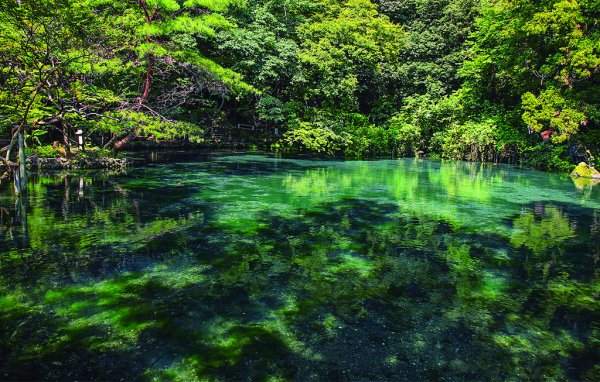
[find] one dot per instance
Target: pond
(241, 266)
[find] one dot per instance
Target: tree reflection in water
(251, 268)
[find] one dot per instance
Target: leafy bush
(552, 112)
(96, 152)
(311, 138)
(546, 156)
(46, 151)
(406, 138)
(368, 142)
(470, 141)
(273, 111)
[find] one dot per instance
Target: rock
(584, 171)
(87, 162)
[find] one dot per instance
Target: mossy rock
(584, 171)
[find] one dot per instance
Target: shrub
(406, 139)
(547, 156)
(473, 141)
(310, 138)
(46, 151)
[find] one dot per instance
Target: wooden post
(79, 134)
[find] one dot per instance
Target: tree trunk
(65, 133)
(148, 84)
(149, 17)
(21, 216)
(110, 141)
(120, 144)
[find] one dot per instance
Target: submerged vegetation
(478, 80)
(249, 267)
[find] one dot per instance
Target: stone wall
(88, 162)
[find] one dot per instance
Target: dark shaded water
(245, 267)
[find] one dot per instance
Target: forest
(476, 80)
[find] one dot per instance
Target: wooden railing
(241, 126)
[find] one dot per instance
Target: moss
(584, 171)
(331, 325)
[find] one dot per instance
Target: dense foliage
(485, 80)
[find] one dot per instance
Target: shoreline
(79, 163)
(90, 162)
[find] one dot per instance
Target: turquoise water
(230, 267)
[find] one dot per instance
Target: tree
(265, 48)
(46, 49)
(168, 34)
(434, 50)
(543, 56)
(348, 51)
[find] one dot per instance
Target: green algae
(249, 267)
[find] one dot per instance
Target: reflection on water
(246, 267)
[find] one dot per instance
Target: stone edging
(76, 163)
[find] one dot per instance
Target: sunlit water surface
(230, 267)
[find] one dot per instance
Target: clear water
(230, 267)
